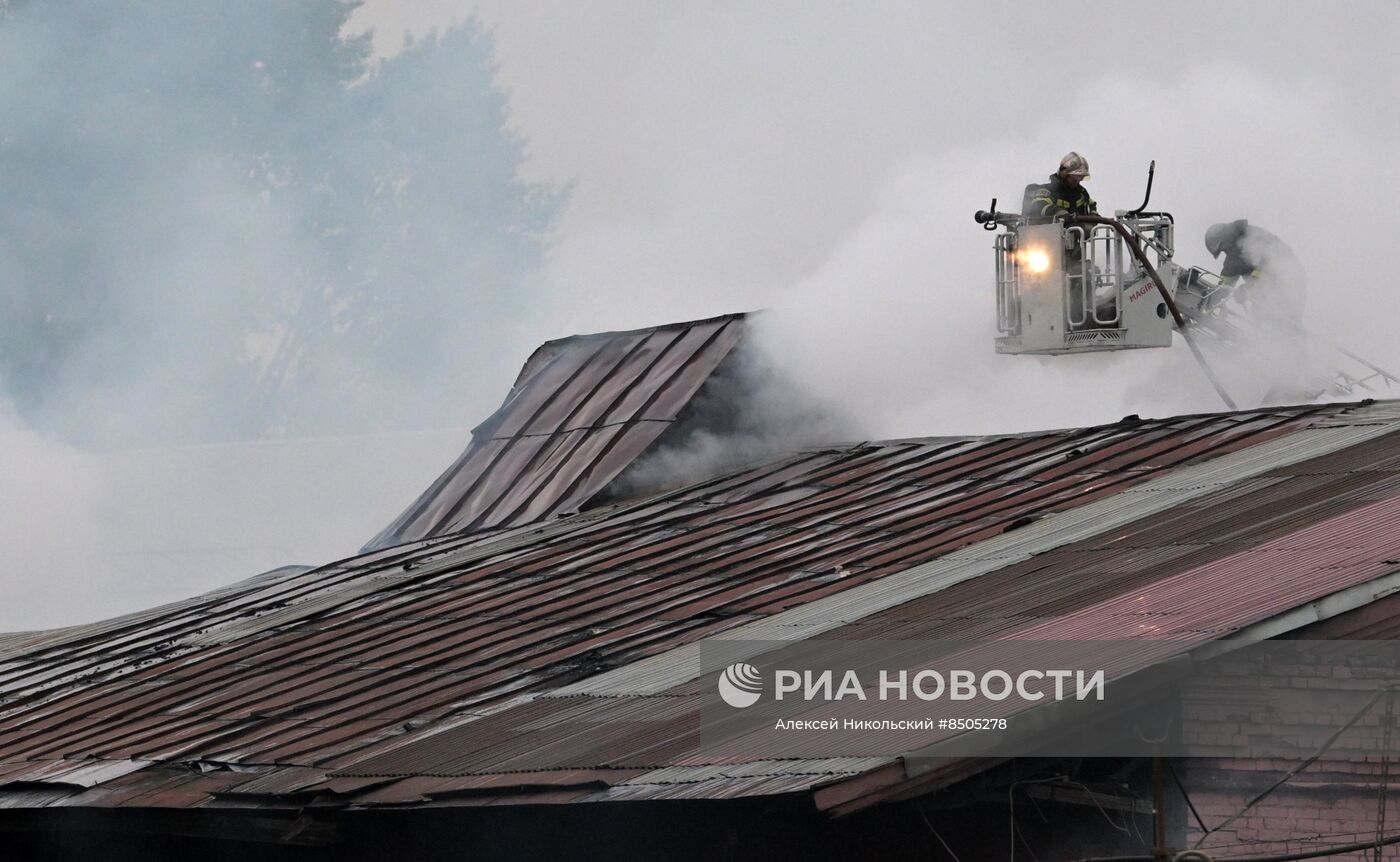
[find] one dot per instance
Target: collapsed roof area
(503, 644)
(581, 411)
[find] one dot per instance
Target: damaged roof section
(487, 650)
(462, 668)
(581, 411)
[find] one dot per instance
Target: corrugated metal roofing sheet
(582, 409)
(824, 614)
(373, 657)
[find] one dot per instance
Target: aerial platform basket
(1084, 284)
(1089, 284)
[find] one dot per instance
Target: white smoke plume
(751, 410)
(91, 534)
(897, 322)
(254, 287)
(818, 159)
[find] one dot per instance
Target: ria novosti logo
(740, 685)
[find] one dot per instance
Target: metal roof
(582, 409)
(1050, 530)
(460, 669)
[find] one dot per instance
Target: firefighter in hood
(1064, 194)
(1261, 265)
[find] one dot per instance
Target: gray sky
(822, 160)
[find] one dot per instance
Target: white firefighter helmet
(1074, 165)
(1222, 234)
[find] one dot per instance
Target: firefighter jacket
(1268, 263)
(1056, 198)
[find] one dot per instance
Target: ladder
(1219, 323)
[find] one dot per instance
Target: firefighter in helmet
(1261, 265)
(1064, 194)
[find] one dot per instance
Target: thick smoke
(88, 535)
(225, 222)
(825, 162)
(168, 174)
(897, 322)
(750, 410)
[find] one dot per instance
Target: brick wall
(1250, 722)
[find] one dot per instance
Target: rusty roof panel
(582, 409)
(278, 782)
(616, 733)
(361, 665)
(1018, 537)
(714, 788)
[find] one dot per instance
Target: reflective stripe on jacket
(1055, 198)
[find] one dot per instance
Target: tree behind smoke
(222, 220)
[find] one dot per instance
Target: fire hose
(1131, 240)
